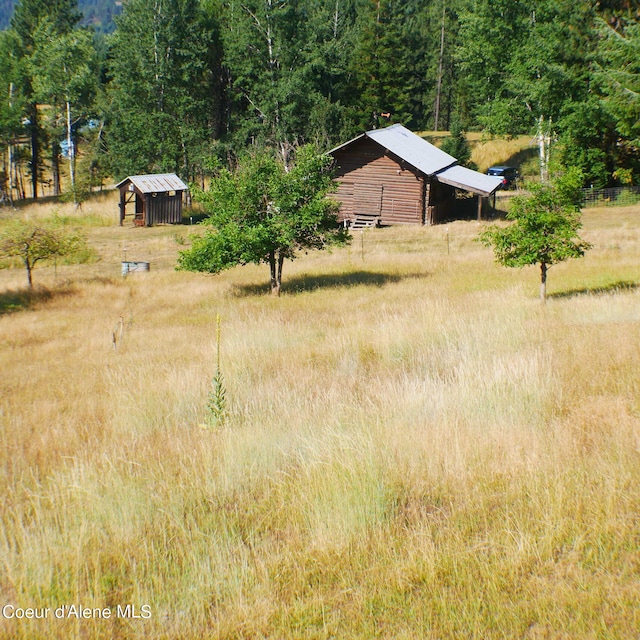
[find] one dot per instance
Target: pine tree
(63, 15)
(64, 72)
(165, 89)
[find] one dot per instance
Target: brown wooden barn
(392, 176)
(156, 199)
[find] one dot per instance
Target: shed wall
(162, 208)
(374, 184)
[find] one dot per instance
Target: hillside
(98, 13)
(412, 447)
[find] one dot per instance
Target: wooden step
(360, 222)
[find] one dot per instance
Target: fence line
(613, 197)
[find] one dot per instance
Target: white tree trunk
(544, 147)
(72, 153)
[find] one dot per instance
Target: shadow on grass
(304, 283)
(22, 299)
(622, 286)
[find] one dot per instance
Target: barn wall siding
(376, 185)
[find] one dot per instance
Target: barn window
(171, 194)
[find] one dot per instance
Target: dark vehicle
(509, 175)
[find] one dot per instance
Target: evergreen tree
(12, 105)
(619, 74)
(391, 65)
(456, 145)
(63, 16)
(64, 72)
(164, 105)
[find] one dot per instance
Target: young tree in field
(38, 242)
(264, 214)
(544, 230)
(456, 145)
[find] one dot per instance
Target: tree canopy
(544, 229)
(38, 242)
(264, 213)
(182, 80)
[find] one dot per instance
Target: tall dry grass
(414, 447)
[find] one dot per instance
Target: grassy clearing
(414, 447)
(520, 152)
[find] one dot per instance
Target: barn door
(367, 200)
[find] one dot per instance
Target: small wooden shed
(392, 176)
(156, 198)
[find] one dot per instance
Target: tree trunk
(280, 263)
(72, 155)
(544, 147)
(543, 283)
(55, 166)
(440, 60)
(28, 265)
(273, 266)
(35, 148)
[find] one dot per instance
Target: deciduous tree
(544, 230)
(63, 16)
(38, 242)
(164, 97)
(264, 214)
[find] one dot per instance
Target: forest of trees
(181, 85)
(100, 14)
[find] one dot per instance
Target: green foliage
(164, 99)
(587, 142)
(456, 145)
(65, 77)
(40, 242)
(63, 67)
(545, 227)
(187, 79)
(12, 101)
(620, 73)
(28, 14)
(264, 213)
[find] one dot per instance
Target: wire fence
(614, 197)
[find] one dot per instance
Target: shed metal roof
(156, 183)
(429, 159)
(469, 180)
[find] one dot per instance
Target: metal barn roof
(428, 159)
(156, 183)
(412, 148)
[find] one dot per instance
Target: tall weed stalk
(217, 402)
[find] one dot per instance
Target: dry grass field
(413, 447)
(520, 151)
